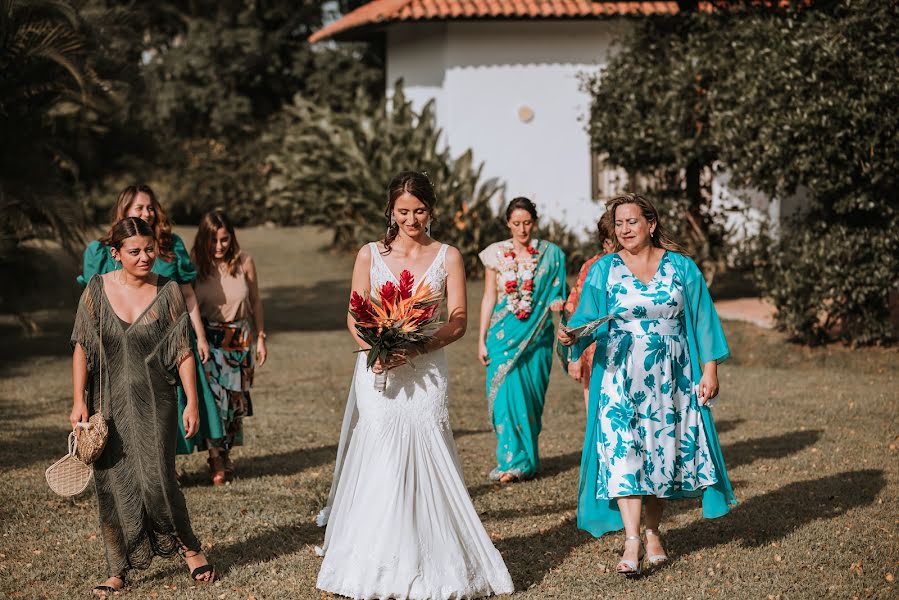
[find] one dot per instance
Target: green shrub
(332, 169)
(832, 280)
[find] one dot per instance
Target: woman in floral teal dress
(524, 283)
(173, 262)
(650, 434)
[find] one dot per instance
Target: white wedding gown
(400, 521)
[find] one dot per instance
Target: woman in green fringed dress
(172, 262)
(131, 343)
(524, 284)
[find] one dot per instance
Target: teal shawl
(705, 341)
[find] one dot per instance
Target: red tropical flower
(406, 281)
(388, 292)
(361, 309)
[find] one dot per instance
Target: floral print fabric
(650, 436)
(230, 372)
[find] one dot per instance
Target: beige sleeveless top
(223, 297)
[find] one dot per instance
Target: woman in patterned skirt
(228, 294)
(650, 434)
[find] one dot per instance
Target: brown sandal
(228, 464)
(217, 470)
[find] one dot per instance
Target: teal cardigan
(98, 260)
(705, 340)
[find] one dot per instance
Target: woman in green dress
(523, 284)
(172, 262)
(131, 342)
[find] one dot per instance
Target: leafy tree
(55, 96)
(212, 74)
(798, 97)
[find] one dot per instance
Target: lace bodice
(435, 274)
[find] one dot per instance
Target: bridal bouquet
(394, 319)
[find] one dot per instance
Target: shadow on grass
(267, 546)
(530, 557)
(318, 307)
(726, 425)
(51, 340)
(458, 433)
(763, 519)
(534, 511)
(43, 445)
(549, 467)
(553, 465)
(775, 446)
(282, 463)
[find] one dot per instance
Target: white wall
(482, 73)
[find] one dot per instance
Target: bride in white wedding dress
(400, 522)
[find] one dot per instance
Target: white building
(506, 77)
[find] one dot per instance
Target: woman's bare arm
(488, 303)
(79, 383)
(456, 303)
(361, 284)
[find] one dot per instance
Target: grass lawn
(810, 439)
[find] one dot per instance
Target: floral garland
(517, 278)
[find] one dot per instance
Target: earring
(428, 228)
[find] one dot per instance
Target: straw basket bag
(69, 476)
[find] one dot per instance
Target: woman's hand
(708, 385)
(566, 339)
(191, 419)
(482, 353)
(557, 305)
(394, 360)
(203, 350)
(576, 370)
(79, 413)
(261, 351)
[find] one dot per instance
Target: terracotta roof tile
(390, 11)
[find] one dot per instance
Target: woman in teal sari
(524, 283)
(173, 262)
(650, 435)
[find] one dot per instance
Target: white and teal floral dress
(650, 436)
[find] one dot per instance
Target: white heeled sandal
(631, 568)
(656, 560)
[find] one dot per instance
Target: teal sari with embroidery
(521, 353)
(706, 342)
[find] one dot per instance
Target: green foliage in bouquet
(332, 169)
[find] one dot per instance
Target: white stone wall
(484, 75)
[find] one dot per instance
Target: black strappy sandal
(201, 570)
(105, 591)
(207, 568)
